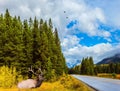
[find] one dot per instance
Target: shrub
(114, 75)
(8, 76)
(69, 82)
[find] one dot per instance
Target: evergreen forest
(87, 67)
(32, 42)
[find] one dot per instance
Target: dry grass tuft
(118, 76)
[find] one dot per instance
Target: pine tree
(82, 66)
(48, 74)
(87, 66)
(60, 57)
(7, 44)
(112, 67)
(44, 48)
(35, 45)
(117, 68)
(2, 32)
(30, 24)
(91, 66)
(27, 47)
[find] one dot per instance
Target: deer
(32, 83)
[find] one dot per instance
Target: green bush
(114, 75)
(8, 76)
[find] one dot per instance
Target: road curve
(100, 84)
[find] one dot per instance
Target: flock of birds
(66, 16)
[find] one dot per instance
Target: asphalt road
(100, 84)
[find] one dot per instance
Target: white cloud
(70, 41)
(25, 9)
(103, 33)
(88, 22)
(75, 10)
(111, 10)
(86, 15)
(98, 52)
(37, 11)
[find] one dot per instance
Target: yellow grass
(118, 76)
(66, 83)
(107, 75)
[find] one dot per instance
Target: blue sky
(86, 27)
(92, 40)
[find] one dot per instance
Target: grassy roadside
(109, 75)
(65, 83)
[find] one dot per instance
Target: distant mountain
(73, 64)
(113, 59)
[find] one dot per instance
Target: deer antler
(40, 71)
(30, 69)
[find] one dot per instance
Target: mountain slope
(113, 59)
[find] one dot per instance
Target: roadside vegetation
(87, 67)
(109, 75)
(9, 80)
